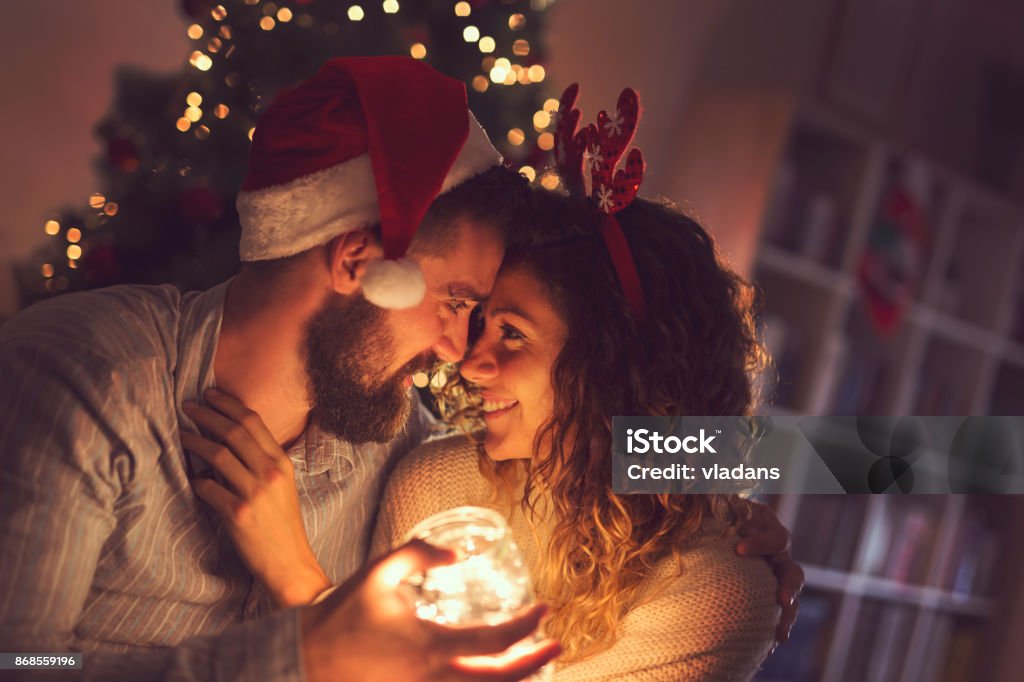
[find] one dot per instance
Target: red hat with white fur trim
(366, 140)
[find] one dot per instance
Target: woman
(640, 586)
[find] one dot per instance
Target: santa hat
(366, 140)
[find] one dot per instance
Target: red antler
(569, 144)
(606, 141)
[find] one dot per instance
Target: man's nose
(481, 365)
(452, 344)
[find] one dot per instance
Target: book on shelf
(802, 658)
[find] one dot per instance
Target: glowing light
(462, 9)
(537, 73)
(546, 141)
(510, 77)
(218, 13)
(284, 15)
(498, 74)
(550, 181)
(200, 60)
(47, 270)
(193, 114)
(487, 63)
(202, 132)
(418, 50)
(480, 83)
(111, 208)
(516, 21)
(355, 13)
(267, 23)
(225, 32)
(486, 44)
(516, 136)
(194, 99)
(195, 31)
(521, 48)
(390, 6)
(541, 120)
(221, 111)
(269, 8)
(529, 173)
(214, 45)
(74, 235)
(183, 124)
(51, 227)
(96, 200)
(74, 252)
(471, 34)
(420, 379)
(251, 131)
(551, 105)
(503, 63)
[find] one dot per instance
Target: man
(110, 551)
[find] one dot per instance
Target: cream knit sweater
(715, 621)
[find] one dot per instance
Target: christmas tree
(175, 147)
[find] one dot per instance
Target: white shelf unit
(958, 350)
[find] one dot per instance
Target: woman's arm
(714, 622)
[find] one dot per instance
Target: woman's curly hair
(697, 353)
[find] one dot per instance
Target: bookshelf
(899, 588)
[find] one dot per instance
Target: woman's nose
(480, 365)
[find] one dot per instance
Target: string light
(355, 13)
(516, 22)
(214, 45)
(74, 252)
(183, 124)
(516, 136)
(529, 173)
(251, 131)
(73, 264)
(193, 114)
(488, 63)
(498, 74)
(74, 235)
(52, 227)
(47, 270)
(536, 73)
(200, 60)
(462, 9)
(221, 111)
(541, 120)
(520, 48)
(225, 32)
(111, 208)
(193, 99)
(202, 132)
(471, 34)
(195, 31)
(480, 83)
(486, 44)
(284, 15)
(546, 141)
(418, 50)
(390, 6)
(96, 200)
(218, 13)
(550, 181)
(551, 105)
(267, 23)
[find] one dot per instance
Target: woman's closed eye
(456, 305)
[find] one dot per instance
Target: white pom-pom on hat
(394, 284)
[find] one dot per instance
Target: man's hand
(261, 508)
(764, 536)
(366, 631)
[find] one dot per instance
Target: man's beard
(348, 350)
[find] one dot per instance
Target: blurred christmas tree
(175, 147)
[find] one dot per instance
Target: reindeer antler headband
(600, 147)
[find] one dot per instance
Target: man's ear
(347, 257)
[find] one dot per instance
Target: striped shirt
(105, 548)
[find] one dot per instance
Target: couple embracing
(216, 485)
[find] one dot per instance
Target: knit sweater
(714, 620)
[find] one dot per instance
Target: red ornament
(123, 154)
(200, 205)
